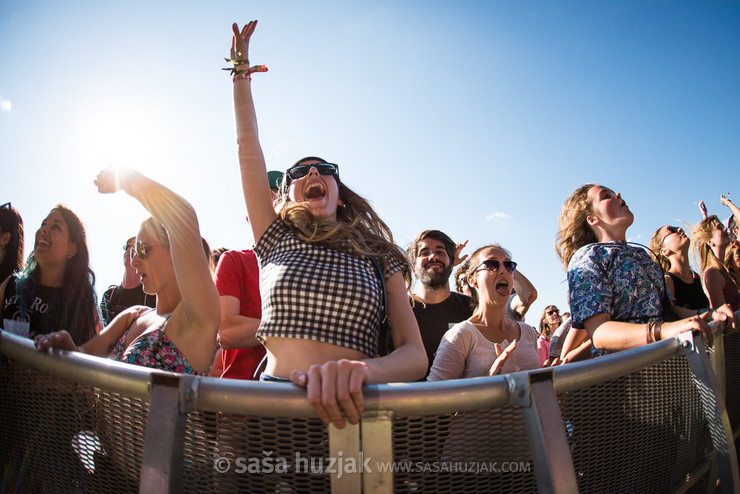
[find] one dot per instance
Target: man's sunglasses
(493, 264)
(300, 171)
(142, 250)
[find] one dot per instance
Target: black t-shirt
(42, 312)
(116, 299)
(435, 319)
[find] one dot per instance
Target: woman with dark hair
(322, 297)
(670, 245)
(173, 262)
(56, 290)
(11, 241)
(616, 290)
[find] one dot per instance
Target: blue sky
(474, 117)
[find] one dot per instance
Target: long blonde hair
(700, 238)
(733, 266)
(655, 246)
(574, 231)
(545, 329)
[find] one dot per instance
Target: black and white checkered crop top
(314, 292)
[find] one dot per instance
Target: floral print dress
(155, 350)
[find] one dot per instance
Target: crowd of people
(326, 299)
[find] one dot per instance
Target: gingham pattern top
(314, 292)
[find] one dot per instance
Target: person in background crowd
(11, 241)
(671, 248)
(130, 292)
(56, 291)
(550, 320)
(322, 256)
(734, 219)
(432, 255)
(711, 241)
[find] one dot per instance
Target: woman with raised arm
(57, 289)
(711, 241)
(180, 334)
(670, 245)
(322, 302)
(616, 290)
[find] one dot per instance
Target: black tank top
(689, 295)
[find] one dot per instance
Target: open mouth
(314, 190)
(502, 287)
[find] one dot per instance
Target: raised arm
(735, 210)
(200, 301)
(526, 294)
(251, 160)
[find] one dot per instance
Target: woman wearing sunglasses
(488, 343)
(671, 248)
(616, 290)
(711, 241)
(322, 305)
(170, 258)
(549, 322)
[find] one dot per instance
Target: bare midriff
(288, 354)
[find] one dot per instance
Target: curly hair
(79, 313)
(358, 230)
(12, 257)
(574, 231)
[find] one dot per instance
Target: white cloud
(497, 216)
(5, 104)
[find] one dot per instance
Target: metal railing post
(548, 441)
(713, 403)
(164, 440)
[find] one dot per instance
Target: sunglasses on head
(552, 312)
(141, 249)
(493, 264)
(6, 205)
(300, 171)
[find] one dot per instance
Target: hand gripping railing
(649, 419)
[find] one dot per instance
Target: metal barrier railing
(653, 419)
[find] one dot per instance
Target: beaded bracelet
(246, 74)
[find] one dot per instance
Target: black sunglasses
(553, 311)
(300, 171)
(493, 264)
(6, 205)
(142, 250)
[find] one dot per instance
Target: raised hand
(703, 209)
(458, 249)
(501, 357)
(112, 179)
(240, 41)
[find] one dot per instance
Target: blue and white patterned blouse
(616, 279)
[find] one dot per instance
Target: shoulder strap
(384, 334)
